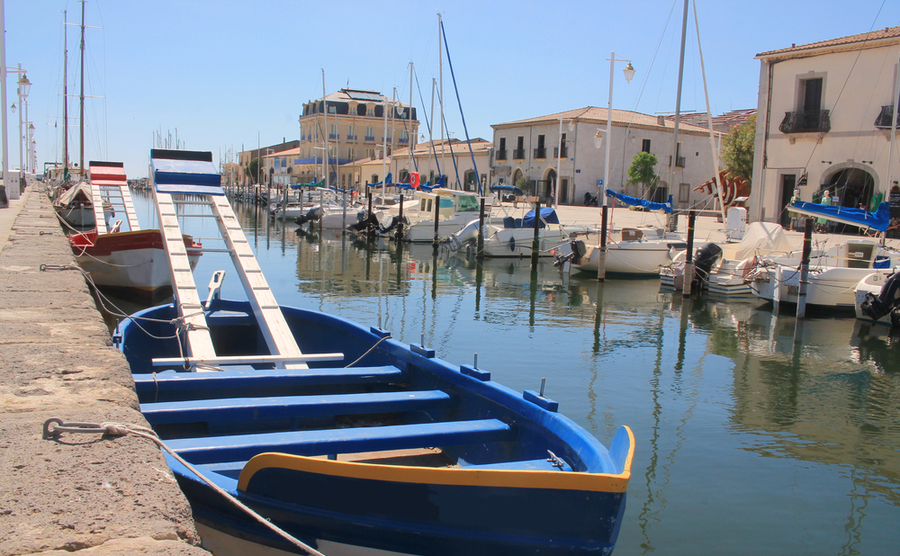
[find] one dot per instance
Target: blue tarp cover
(846, 215)
(320, 183)
(548, 215)
(635, 202)
(507, 188)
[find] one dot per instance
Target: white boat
(876, 298)
(833, 277)
(455, 210)
(727, 276)
(76, 207)
(123, 256)
(636, 251)
(513, 237)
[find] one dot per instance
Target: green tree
(523, 184)
(252, 170)
(738, 149)
(642, 171)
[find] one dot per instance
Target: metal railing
(518, 154)
(806, 121)
(558, 154)
(540, 152)
(883, 120)
(501, 154)
(678, 163)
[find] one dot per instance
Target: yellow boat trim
(459, 476)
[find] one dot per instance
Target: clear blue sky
(226, 72)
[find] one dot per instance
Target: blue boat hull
(522, 479)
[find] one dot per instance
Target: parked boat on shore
(338, 434)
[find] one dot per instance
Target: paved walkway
(103, 495)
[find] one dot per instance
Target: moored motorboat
(337, 433)
(512, 237)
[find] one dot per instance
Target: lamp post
(629, 75)
(559, 152)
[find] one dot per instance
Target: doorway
(788, 183)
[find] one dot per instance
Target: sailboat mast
(712, 147)
(325, 129)
(678, 95)
(65, 95)
(441, 87)
(81, 95)
(411, 139)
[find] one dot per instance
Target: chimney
(661, 120)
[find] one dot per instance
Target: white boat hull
(832, 287)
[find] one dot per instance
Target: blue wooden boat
(351, 438)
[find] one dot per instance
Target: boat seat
(151, 384)
(518, 223)
(334, 441)
(288, 407)
(509, 222)
(528, 465)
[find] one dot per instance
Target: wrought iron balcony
(563, 154)
(884, 118)
(518, 154)
(540, 152)
(806, 121)
(501, 154)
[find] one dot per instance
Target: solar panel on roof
(356, 95)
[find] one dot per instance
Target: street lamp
(23, 90)
(29, 142)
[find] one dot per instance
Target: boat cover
(548, 216)
(507, 189)
(80, 193)
(635, 202)
(311, 185)
(187, 172)
(763, 237)
(854, 216)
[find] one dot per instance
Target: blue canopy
(508, 188)
(426, 187)
(846, 215)
(389, 180)
(548, 216)
(188, 172)
(320, 183)
(635, 202)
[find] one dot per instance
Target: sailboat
(122, 256)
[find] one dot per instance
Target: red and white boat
(132, 260)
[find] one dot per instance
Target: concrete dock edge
(79, 492)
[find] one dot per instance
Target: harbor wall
(82, 493)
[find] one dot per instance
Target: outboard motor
(367, 223)
(886, 302)
(312, 215)
(704, 260)
(577, 250)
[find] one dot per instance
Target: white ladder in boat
(271, 321)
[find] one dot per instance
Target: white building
(824, 122)
(538, 148)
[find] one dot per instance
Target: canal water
(755, 433)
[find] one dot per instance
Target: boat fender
(512, 244)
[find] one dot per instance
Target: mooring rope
(54, 426)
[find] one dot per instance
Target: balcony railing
(563, 154)
(370, 138)
(501, 154)
(884, 119)
(678, 163)
(806, 121)
(518, 154)
(540, 152)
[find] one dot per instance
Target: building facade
(460, 162)
(824, 123)
(557, 156)
(356, 124)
